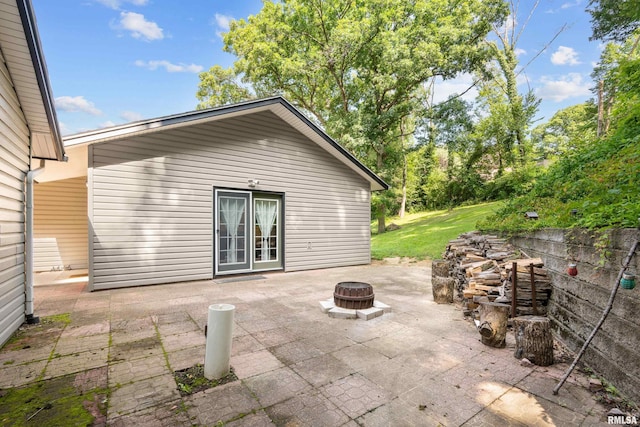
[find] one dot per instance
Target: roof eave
(227, 111)
(377, 184)
(37, 58)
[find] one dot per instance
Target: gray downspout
(31, 175)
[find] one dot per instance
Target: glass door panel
(266, 239)
(232, 232)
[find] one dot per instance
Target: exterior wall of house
(14, 162)
(60, 225)
(151, 199)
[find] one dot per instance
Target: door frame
(247, 264)
(252, 196)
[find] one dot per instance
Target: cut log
(537, 262)
(497, 255)
(488, 282)
(487, 288)
(472, 257)
(526, 269)
(470, 293)
(442, 289)
(440, 268)
(488, 275)
(480, 265)
(526, 278)
(533, 339)
(493, 323)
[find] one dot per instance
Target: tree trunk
(533, 339)
(493, 323)
(382, 227)
(382, 212)
(403, 202)
(600, 108)
(607, 120)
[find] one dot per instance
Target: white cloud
(131, 116)
(76, 104)
(445, 88)
(107, 124)
(115, 4)
(568, 86)
(519, 51)
(565, 56)
(64, 129)
(222, 23)
(564, 6)
(170, 67)
(569, 5)
(139, 27)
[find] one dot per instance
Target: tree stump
(441, 282)
(442, 288)
(533, 339)
(440, 268)
(493, 323)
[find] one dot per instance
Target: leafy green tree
(421, 162)
(453, 124)
(359, 67)
(614, 20)
(494, 126)
(521, 109)
(220, 86)
(457, 167)
(568, 129)
(600, 180)
(614, 57)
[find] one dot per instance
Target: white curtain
(266, 217)
(232, 210)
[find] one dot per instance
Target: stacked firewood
(533, 285)
(482, 265)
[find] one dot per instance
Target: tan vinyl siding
(60, 225)
(14, 162)
(151, 199)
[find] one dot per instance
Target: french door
(248, 231)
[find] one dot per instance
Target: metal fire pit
(353, 295)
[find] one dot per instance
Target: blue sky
(115, 61)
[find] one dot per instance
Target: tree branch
(564, 26)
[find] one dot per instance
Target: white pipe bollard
(219, 336)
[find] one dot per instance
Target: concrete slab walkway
(420, 365)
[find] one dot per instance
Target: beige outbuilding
(244, 188)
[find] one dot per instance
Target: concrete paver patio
(420, 365)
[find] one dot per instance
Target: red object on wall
(572, 270)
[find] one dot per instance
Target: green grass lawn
(426, 234)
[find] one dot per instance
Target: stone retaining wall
(577, 303)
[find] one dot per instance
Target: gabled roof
(278, 105)
(20, 47)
